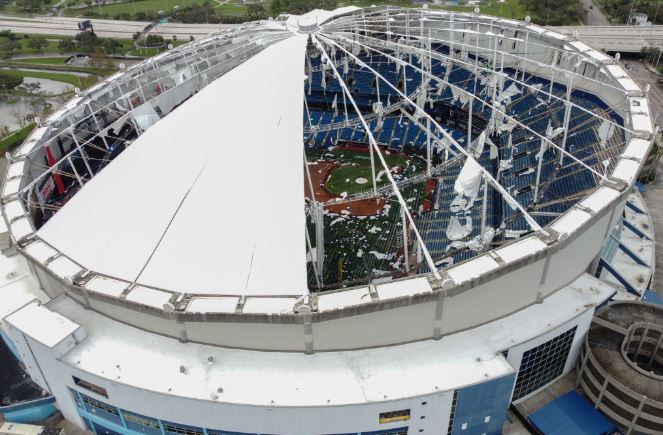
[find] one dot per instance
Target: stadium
(375, 221)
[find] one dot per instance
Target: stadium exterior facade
(153, 346)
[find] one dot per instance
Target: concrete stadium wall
(494, 295)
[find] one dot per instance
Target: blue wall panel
(482, 408)
(30, 414)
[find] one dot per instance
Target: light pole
(630, 13)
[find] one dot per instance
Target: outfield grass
(344, 180)
(357, 165)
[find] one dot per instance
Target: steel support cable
(124, 94)
(471, 67)
(401, 200)
(493, 35)
(503, 113)
(510, 199)
(65, 132)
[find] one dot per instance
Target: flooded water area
(15, 109)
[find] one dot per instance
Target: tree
(10, 81)
(66, 45)
(111, 46)
(556, 12)
(38, 43)
(29, 5)
(650, 53)
(8, 48)
(87, 41)
(8, 34)
(278, 6)
(154, 41)
(255, 11)
(98, 58)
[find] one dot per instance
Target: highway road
(594, 15)
(106, 28)
(639, 72)
(625, 39)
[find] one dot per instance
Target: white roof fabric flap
(211, 198)
(469, 179)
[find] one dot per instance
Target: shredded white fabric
(477, 244)
(457, 231)
(494, 151)
(510, 92)
(478, 145)
(469, 178)
(606, 130)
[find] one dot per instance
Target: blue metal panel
(570, 414)
(100, 429)
(102, 426)
(653, 298)
(482, 408)
(29, 414)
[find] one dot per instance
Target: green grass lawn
(51, 48)
(62, 67)
(57, 61)
(15, 137)
(135, 6)
(508, 9)
(233, 9)
(81, 82)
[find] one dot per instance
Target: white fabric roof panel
(191, 205)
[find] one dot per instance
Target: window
(102, 410)
(454, 403)
(140, 423)
(93, 405)
(398, 431)
(543, 363)
(391, 416)
(90, 386)
(173, 428)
